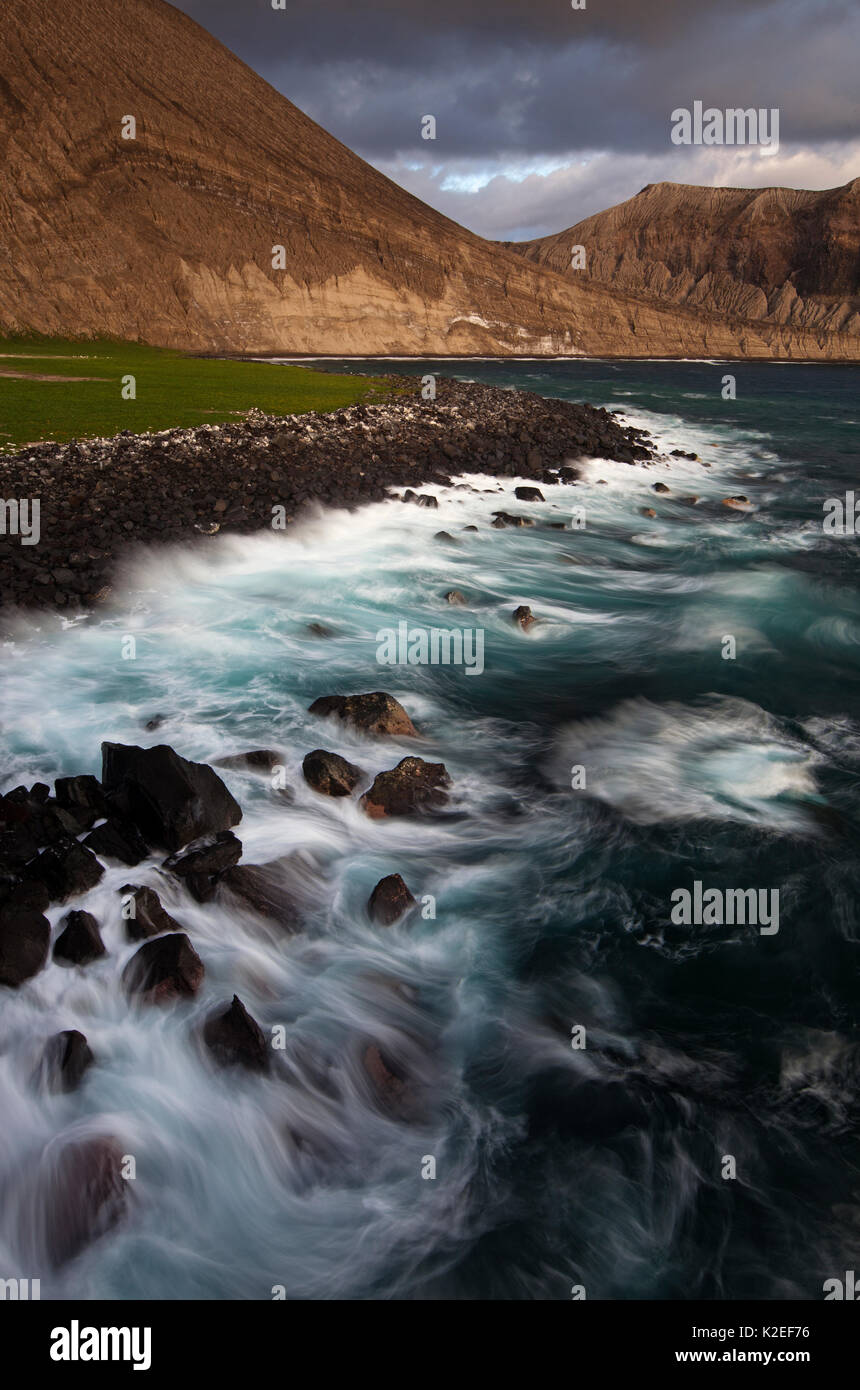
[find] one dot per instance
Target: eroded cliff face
(169, 237)
(765, 257)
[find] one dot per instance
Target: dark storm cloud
(533, 80)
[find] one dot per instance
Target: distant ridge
(763, 256)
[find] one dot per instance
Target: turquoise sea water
(598, 1166)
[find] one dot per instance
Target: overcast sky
(546, 114)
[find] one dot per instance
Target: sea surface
(621, 750)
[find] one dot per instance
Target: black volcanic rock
(25, 939)
(172, 801)
(79, 942)
(373, 713)
(389, 901)
(203, 863)
(330, 774)
(148, 918)
(66, 869)
(65, 1060)
(235, 1038)
(118, 839)
(163, 970)
(413, 786)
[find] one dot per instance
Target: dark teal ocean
(704, 1141)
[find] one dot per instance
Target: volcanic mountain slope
(758, 256)
(168, 237)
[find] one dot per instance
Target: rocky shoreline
(97, 498)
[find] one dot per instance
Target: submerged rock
(80, 1194)
(173, 801)
(389, 901)
(165, 969)
(65, 1060)
(411, 787)
(504, 519)
(262, 760)
(373, 713)
(235, 1038)
(261, 889)
(524, 617)
(80, 942)
(660, 487)
(455, 598)
(528, 494)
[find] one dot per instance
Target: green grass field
(172, 390)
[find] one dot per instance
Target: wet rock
(470, 528)
(81, 1194)
(66, 869)
(79, 942)
(330, 774)
(65, 1060)
(446, 536)
(235, 1039)
(389, 901)
(739, 503)
(83, 796)
(374, 713)
(647, 511)
(202, 863)
(388, 1080)
(660, 487)
(320, 630)
(679, 454)
(413, 786)
(455, 598)
(172, 801)
(528, 494)
(262, 760)
(144, 915)
(260, 888)
(155, 723)
(25, 938)
(505, 519)
(163, 970)
(118, 839)
(524, 617)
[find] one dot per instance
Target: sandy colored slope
(168, 238)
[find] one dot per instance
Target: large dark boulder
(411, 787)
(235, 1038)
(389, 901)
(65, 1060)
(330, 774)
(66, 869)
(171, 800)
(146, 917)
(374, 713)
(528, 494)
(165, 969)
(201, 865)
(25, 939)
(79, 942)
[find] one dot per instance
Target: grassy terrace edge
(87, 393)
